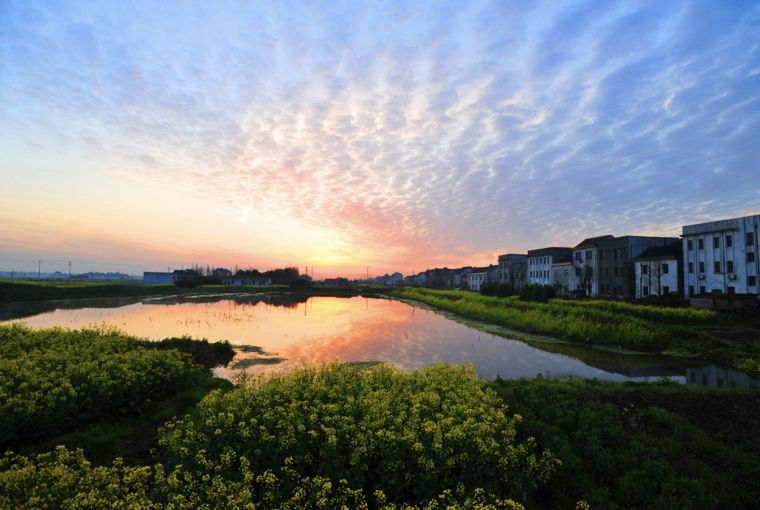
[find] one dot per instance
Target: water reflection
(290, 330)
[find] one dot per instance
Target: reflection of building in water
(716, 376)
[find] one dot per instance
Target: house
(585, 265)
(476, 278)
(220, 272)
(336, 282)
(722, 256)
(150, 278)
(247, 280)
(616, 273)
(659, 271)
(563, 276)
(539, 269)
(513, 269)
(460, 281)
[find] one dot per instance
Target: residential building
(563, 276)
(539, 269)
(586, 265)
(722, 256)
(150, 278)
(247, 280)
(513, 269)
(616, 272)
(476, 278)
(658, 271)
(460, 281)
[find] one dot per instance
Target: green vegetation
(249, 362)
(322, 436)
(684, 331)
(656, 445)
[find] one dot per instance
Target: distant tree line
(199, 275)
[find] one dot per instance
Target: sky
(399, 136)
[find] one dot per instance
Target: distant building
(150, 278)
(540, 263)
(460, 281)
(336, 282)
(475, 279)
(221, 272)
(658, 271)
(236, 281)
(722, 256)
(586, 267)
(513, 269)
(616, 273)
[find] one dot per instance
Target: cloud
(419, 131)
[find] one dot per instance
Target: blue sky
(389, 134)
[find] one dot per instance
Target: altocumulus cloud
(436, 129)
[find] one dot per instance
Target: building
(247, 280)
(476, 278)
(513, 269)
(539, 270)
(460, 277)
(721, 256)
(616, 272)
(150, 278)
(563, 276)
(586, 266)
(220, 272)
(658, 271)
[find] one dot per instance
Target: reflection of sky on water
(330, 328)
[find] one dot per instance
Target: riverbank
(721, 339)
(157, 430)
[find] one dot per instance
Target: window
(664, 269)
(731, 290)
(577, 272)
(589, 254)
(701, 289)
(750, 256)
(729, 241)
(716, 266)
(750, 238)
(701, 243)
(701, 267)
(645, 290)
(716, 242)
(665, 290)
(689, 244)
(691, 290)
(644, 269)
(578, 256)
(729, 266)
(691, 267)
(751, 281)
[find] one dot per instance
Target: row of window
(663, 269)
(539, 274)
(536, 261)
(645, 290)
(716, 242)
(717, 267)
(579, 255)
(605, 254)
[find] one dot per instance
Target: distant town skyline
(396, 135)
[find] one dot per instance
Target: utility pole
(69, 270)
(367, 272)
(39, 267)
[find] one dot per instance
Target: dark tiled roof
(674, 250)
(591, 241)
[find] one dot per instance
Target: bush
(497, 289)
(539, 293)
(407, 437)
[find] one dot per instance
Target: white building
(513, 269)
(247, 280)
(563, 277)
(586, 265)
(150, 278)
(722, 256)
(475, 280)
(540, 264)
(658, 271)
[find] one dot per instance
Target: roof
(551, 250)
(671, 251)
(590, 242)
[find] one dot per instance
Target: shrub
(535, 292)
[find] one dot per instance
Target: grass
(682, 331)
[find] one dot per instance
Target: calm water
(292, 331)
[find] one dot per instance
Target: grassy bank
(682, 331)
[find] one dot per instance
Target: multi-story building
(659, 271)
(722, 256)
(585, 264)
(563, 277)
(513, 269)
(540, 263)
(477, 278)
(616, 272)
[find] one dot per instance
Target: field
(97, 418)
(679, 331)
